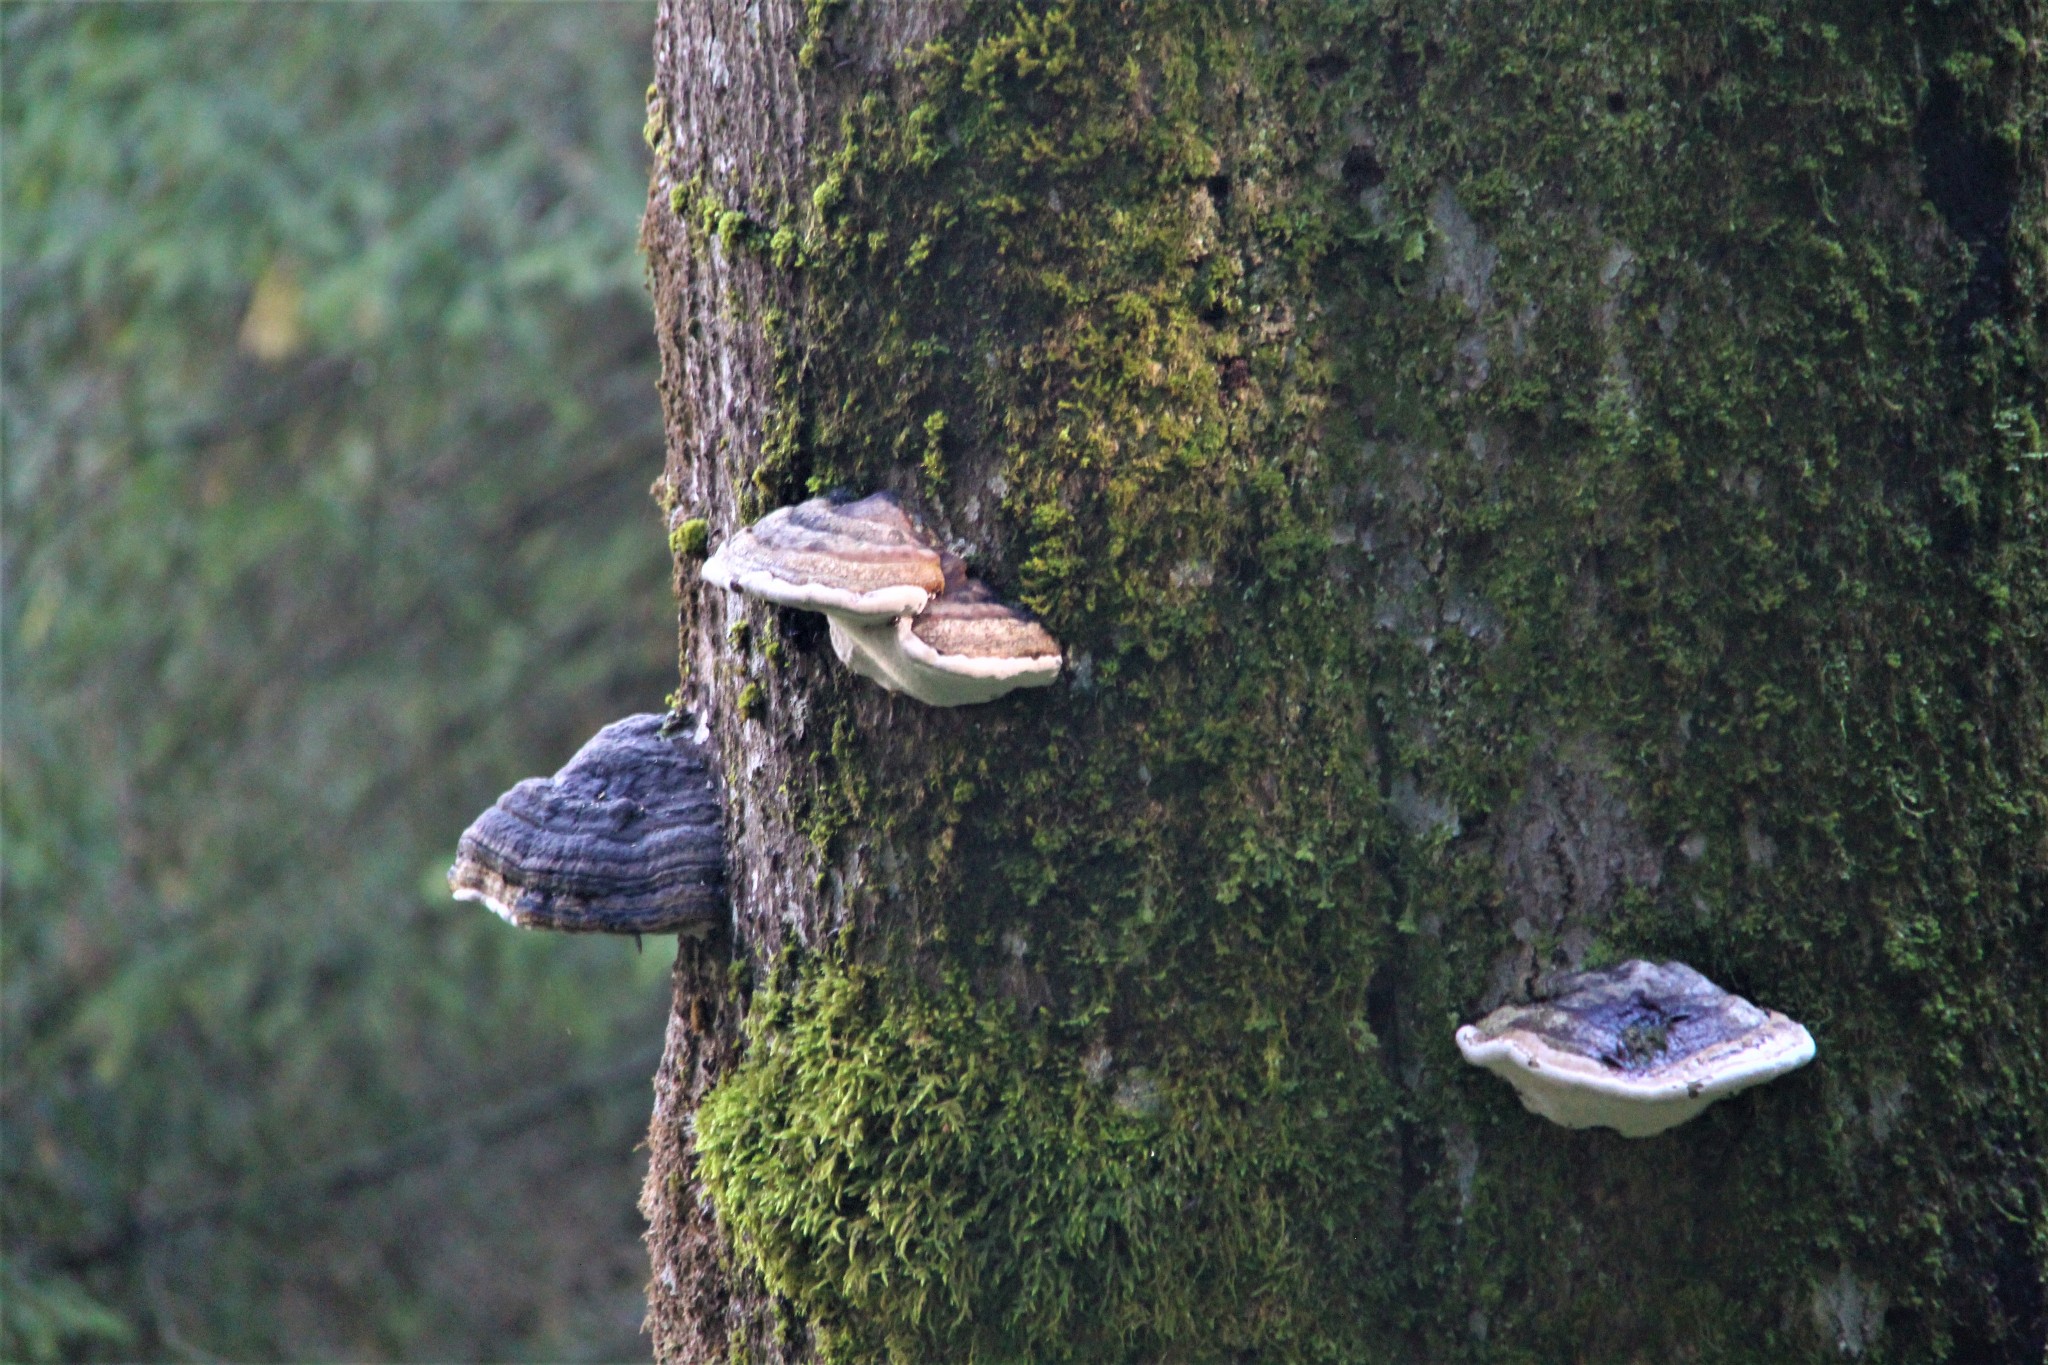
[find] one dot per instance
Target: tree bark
(1521, 487)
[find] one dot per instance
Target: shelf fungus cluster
(626, 839)
(1638, 1048)
(902, 609)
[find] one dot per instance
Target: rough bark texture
(1522, 486)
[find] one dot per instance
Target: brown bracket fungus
(902, 609)
(863, 562)
(1638, 1048)
(626, 839)
(966, 648)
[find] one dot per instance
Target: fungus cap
(627, 839)
(865, 562)
(968, 647)
(1638, 1048)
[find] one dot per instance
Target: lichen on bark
(1521, 487)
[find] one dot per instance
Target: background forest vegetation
(328, 424)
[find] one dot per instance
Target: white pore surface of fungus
(877, 605)
(895, 656)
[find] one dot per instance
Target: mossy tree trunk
(1522, 486)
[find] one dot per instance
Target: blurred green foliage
(328, 423)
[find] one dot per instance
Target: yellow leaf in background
(271, 330)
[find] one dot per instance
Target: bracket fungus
(862, 562)
(902, 609)
(626, 839)
(1638, 1048)
(967, 647)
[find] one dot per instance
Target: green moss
(689, 539)
(753, 702)
(934, 464)
(818, 17)
(785, 247)
(737, 229)
(827, 195)
(1381, 403)
(929, 1181)
(655, 132)
(732, 226)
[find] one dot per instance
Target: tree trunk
(1521, 486)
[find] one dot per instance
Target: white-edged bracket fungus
(902, 610)
(967, 647)
(626, 839)
(864, 562)
(1638, 1048)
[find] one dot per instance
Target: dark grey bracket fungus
(627, 838)
(1637, 1048)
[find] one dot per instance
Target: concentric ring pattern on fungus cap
(626, 839)
(1638, 1048)
(862, 562)
(968, 647)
